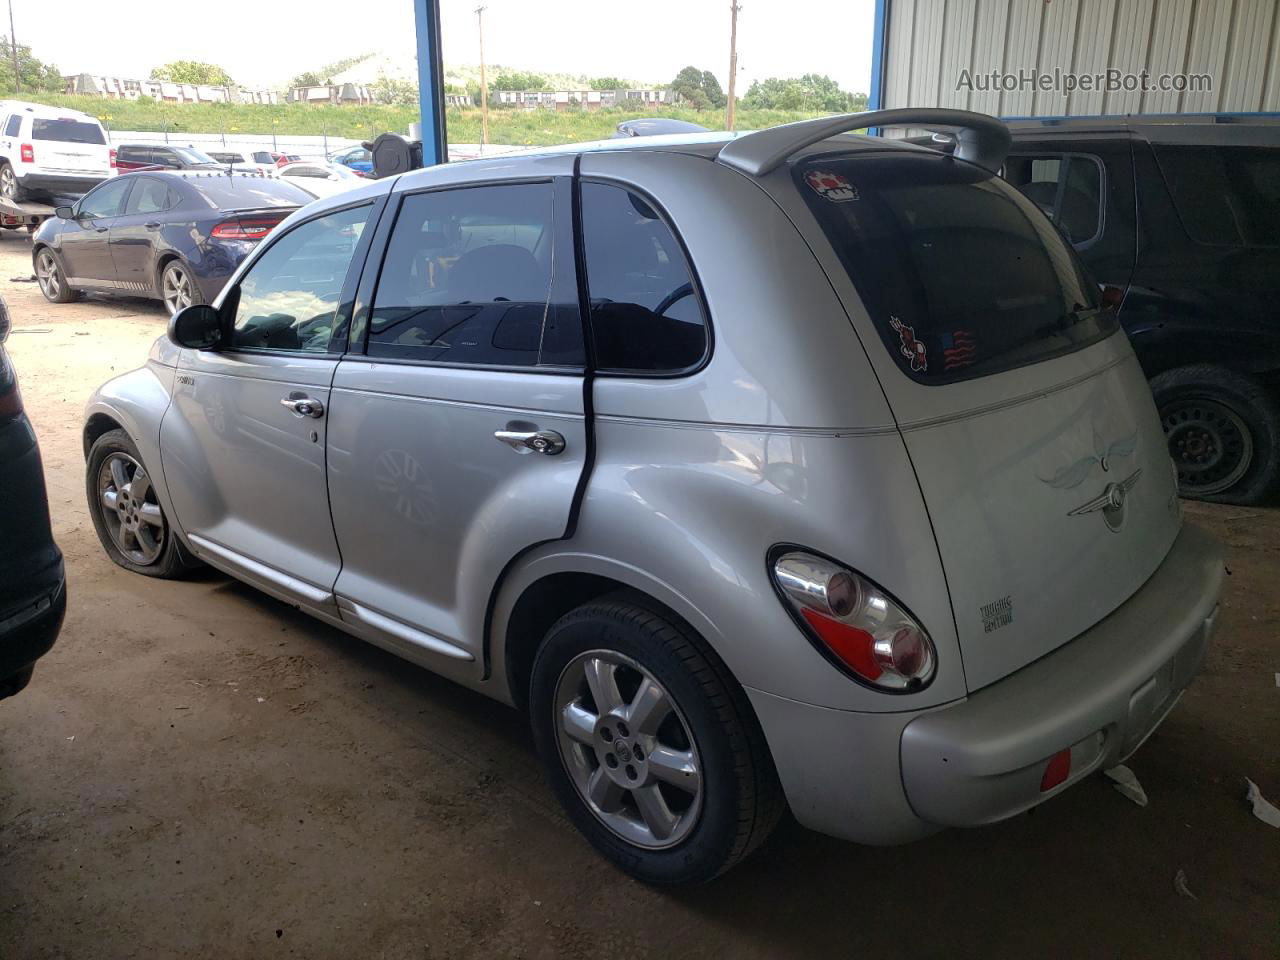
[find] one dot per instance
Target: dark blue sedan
(174, 236)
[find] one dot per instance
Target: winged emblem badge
(1075, 474)
(1111, 501)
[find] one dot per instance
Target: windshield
(192, 155)
(961, 274)
(67, 130)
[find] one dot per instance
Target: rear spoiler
(979, 138)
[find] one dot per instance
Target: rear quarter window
(961, 274)
(1226, 196)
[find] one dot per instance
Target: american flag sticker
(958, 349)
(831, 186)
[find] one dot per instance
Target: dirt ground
(200, 771)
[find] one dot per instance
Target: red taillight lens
(1057, 770)
(112, 154)
(27, 153)
(860, 627)
(1112, 296)
(245, 228)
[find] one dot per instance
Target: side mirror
(64, 213)
(197, 327)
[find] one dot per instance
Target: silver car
(793, 469)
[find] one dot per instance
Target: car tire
(715, 796)
(130, 523)
(52, 279)
(178, 288)
(10, 188)
(1223, 429)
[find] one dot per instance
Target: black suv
(1179, 220)
(33, 595)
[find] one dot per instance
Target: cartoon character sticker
(911, 348)
(831, 186)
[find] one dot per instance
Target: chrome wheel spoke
(119, 476)
(140, 485)
(679, 768)
(604, 793)
(109, 499)
(648, 708)
(654, 811)
(579, 723)
(151, 514)
(603, 681)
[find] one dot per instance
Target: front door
(459, 439)
(243, 443)
(84, 245)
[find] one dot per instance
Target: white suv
(48, 152)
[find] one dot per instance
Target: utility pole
(484, 83)
(734, 7)
(13, 42)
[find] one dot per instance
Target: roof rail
(980, 138)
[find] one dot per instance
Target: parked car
(358, 158)
(829, 479)
(1179, 219)
(656, 126)
(33, 593)
(157, 156)
(239, 161)
(320, 178)
(49, 152)
(174, 236)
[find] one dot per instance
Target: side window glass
(645, 313)
(104, 201)
(1228, 196)
(1066, 188)
(149, 196)
(477, 276)
(14, 126)
(289, 298)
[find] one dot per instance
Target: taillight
(1056, 770)
(245, 228)
(112, 154)
(1112, 296)
(28, 153)
(854, 623)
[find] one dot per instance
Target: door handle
(152, 225)
(546, 442)
(101, 229)
(302, 405)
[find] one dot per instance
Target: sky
(646, 40)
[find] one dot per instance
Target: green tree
(307, 79)
(192, 71)
(810, 92)
(514, 80)
(608, 83)
(699, 89)
(390, 90)
(36, 75)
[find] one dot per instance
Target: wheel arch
(95, 426)
(163, 260)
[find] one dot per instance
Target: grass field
(505, 125)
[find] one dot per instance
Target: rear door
(1028, 421)
(459, 437)
(243, 442)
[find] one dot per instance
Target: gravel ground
(199, 771)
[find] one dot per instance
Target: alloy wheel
(48, 275)
(8, 182)
(628, 749)
(1211, 445)
(128, 505)
(176, 288)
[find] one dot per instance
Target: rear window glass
(239, 192)
(1229, 196)
(961, 274)
(67, 131)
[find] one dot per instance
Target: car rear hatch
(72, 146)
(1028, 421)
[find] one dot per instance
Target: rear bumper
(28, 633)
(1100, 695)
(58, 184)
(893, 777)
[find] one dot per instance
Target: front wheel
(177, 287)
(52, 281)
(1223, 430)
(649, 744)
(127, 514)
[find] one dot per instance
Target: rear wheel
(177, 287)
(126, 513)
(1223, 430)
(650, 746)
(9, 186)
(52, 281)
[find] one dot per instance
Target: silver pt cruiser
(793, 469)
